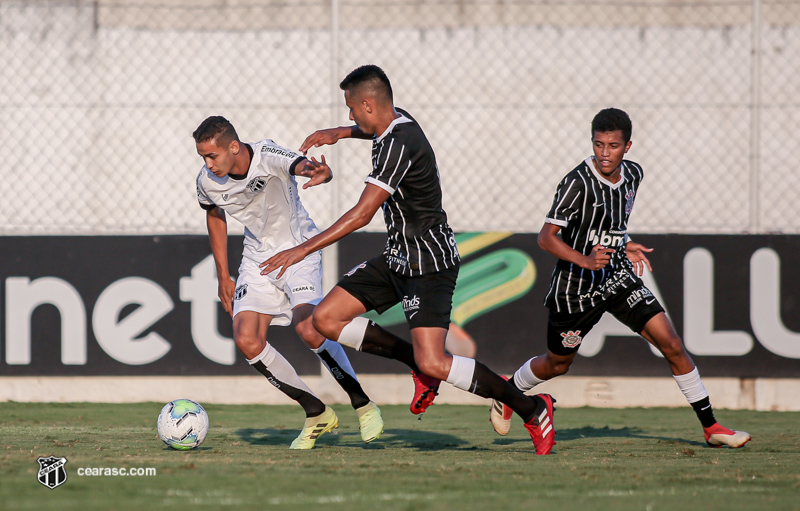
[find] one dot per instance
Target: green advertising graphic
(484, 284)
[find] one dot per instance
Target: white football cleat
(500, 416)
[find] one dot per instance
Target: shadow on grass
(391, 438)
(201, 448)
(566, 435)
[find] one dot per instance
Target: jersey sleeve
(568, 201)
(392, 163)
(202, 197)
(279, 159)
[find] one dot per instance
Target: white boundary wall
(760, 394)
(99, 99)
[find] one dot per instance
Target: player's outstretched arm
(636, 254)
(550, 242)
(317, 172)
(217, 227)
(360, 215)
(330, 136)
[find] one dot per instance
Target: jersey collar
(400, 120)
(252, 160)
(622, 173)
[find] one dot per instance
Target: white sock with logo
(691, 385)
(524, 379)
(335, 350)
(280, 368)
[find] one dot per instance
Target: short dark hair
(215, 127)
(371, 77)
(612, 119)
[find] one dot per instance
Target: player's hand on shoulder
(598, 258)
(636, 254)
(317, 172)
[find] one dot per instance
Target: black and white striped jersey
(591, 210)
(403, 164)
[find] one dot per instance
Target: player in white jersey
(255, 184)
(598, 271)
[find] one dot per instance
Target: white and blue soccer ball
(183, 424)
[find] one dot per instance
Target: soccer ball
(182, 424)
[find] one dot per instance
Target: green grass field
(645, 459)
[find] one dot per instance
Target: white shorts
(302, 283)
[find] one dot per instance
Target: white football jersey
(265, 201)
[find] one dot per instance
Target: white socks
(461, 373)
(335, 350)
(280, 368)
(691, 385)
(352, 334)
(524, 379)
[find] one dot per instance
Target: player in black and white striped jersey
(420, 241)
(592, 214)
(598, 271)
(419, 266)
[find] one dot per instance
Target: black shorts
(633, 307)
(427, 299)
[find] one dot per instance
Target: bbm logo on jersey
(257, 184)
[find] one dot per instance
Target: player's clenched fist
(598, 258)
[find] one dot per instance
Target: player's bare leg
(550, 365)
(660, 332)
(335, 359)
(429, 353)
(250, 336)
(434, 365)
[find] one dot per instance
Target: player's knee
(247, 343)
(671, 348)
(435, 368)
(322, 322)
(308, 334)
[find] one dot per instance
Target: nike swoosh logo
(600, 205)
(648, 302)
(412, 315)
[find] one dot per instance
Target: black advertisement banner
(145, 305)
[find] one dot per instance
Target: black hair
(612, 119)
(215, 127)
(369, 76)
